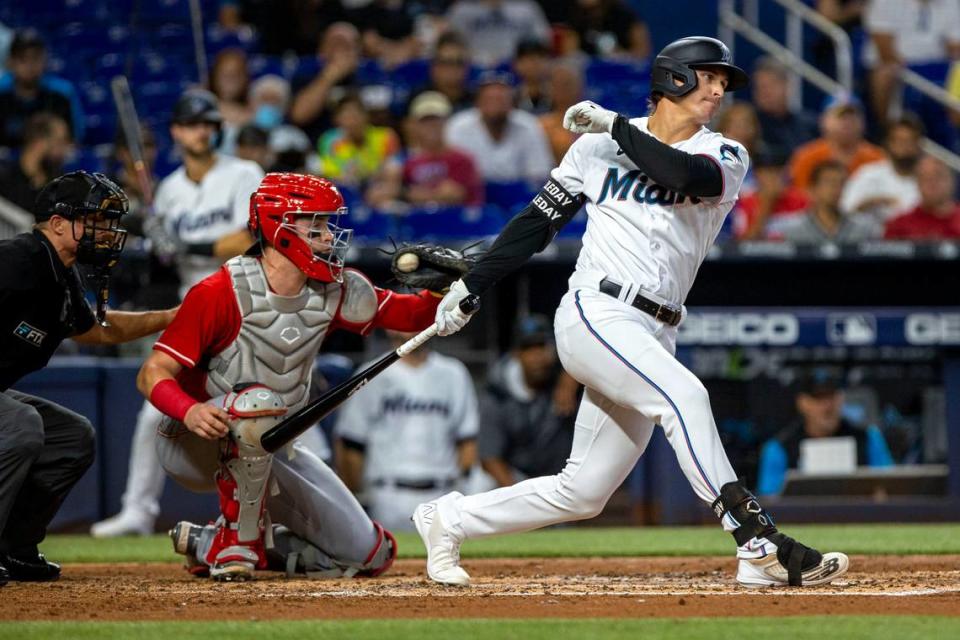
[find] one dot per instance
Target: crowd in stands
(449, 104)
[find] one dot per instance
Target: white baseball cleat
(125, 523)
(443, 552)
(768, 572)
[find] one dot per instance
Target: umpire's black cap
(196, 106)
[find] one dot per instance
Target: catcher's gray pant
(44, 451)
(311, 500)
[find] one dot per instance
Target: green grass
(800, 628)
(578, 542)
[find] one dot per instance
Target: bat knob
(470, 304)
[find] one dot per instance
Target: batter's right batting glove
(450, 318)
(588, 117)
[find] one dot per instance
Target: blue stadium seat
(450, 223)
(511, 196)
(218, 39)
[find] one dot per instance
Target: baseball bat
(130, 125)
(298, 422)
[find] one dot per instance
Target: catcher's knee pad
(755, 522)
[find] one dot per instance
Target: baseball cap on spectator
(532, 46)
(771, 157)
(492, 76)
(430, 104)
(250, 135)
(26, 39)
(286, 138)
(842, 103)
(820, 381)
(533, 331)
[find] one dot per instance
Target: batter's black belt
(666, 313)
(417, 485)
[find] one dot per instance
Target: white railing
(13, 219)
(791, 55)
(744, 24)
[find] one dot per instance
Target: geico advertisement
(821, 327)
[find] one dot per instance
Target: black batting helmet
(195, 106)
(681, 58)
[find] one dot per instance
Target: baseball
(408, 262)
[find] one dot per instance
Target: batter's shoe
(769, 570)
(186, 538)
(125, 523)
(29, 566)
(443, 551)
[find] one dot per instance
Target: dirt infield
(564, 588)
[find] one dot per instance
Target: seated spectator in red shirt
(433, 173)
(938, 214)
(774, 200)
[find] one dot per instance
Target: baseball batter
(247, 337)
(411, 434)
(202, 209)
(656, 191)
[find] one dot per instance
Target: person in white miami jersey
(656, 191)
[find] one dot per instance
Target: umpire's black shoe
(4, 575)
(30, 567)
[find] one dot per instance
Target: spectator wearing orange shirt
(937, 216)
(841, 126)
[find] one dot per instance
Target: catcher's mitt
(429, 266)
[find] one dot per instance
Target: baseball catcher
(239, 355)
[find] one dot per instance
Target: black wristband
(199, 248)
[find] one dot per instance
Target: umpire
(45, 448)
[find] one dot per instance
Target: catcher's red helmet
(276, 205)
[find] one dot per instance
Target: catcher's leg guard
(238, 547)
(297, 557)
(798, 563)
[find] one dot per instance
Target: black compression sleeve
(683, 172)
(527, 233)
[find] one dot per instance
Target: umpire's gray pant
(44, 450)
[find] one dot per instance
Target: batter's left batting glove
(588, 117)
(450, 318)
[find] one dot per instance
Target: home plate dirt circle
(502, 588)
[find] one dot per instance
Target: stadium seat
(511, 196)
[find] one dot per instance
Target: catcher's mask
(299, 215)
(95, 201)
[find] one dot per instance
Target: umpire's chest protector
(279, 336)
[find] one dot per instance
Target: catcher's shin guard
(382, 555)
(239, 546)
(298, 557)
(801, 562)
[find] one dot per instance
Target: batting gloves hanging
(588, 117)
(450, 318)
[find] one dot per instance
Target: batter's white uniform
(646, 238)
(195, 212)
(410, 420)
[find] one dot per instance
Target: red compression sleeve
(170, 399)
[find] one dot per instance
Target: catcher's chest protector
(279, 337)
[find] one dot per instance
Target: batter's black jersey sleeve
(685, 173)
(41, 304)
